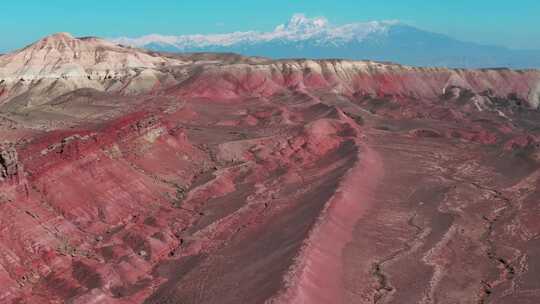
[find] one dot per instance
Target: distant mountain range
(304, 37)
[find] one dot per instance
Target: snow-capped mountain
(318, 38)
(299, 28)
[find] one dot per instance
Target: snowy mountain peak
(317, 37)
(299, 22)
(298, 29)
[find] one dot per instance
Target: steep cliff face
(247, 180)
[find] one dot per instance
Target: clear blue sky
(514, 24)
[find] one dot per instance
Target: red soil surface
(323, 249)
(280, 182)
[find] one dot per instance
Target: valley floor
(417, 220)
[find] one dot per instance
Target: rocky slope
(247, 180)
(60, 63)
(350, 78)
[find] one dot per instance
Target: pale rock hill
(60, 63)
(62, 55)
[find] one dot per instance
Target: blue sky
(513, 24)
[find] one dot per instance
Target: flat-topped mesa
(356, 77)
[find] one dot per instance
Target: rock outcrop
(9, 163)
(235, 180)
(60, 63)
(63, 56)
(351, 78)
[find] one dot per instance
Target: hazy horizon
(495, 23)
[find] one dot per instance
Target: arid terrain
(129, 176)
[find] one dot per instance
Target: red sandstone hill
(136, 177)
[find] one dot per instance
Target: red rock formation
(349, 78)
(287, 181)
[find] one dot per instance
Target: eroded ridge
(208, 178)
